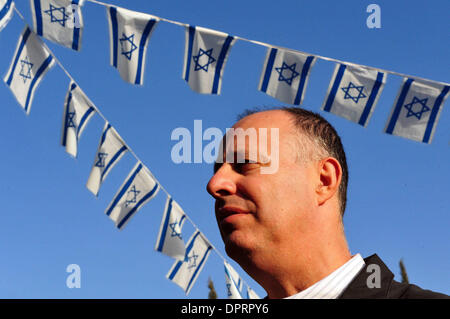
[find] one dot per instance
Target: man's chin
(237, 245)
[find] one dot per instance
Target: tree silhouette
(405, 279)
(212, 291)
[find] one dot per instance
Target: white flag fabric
(138, 188)
(233, 282)
(29, 65)
(170, 239)
(354, 92)
(205, 55)
(60, 21)
(417, 109)
(285, 75)
(109, 152)
(251, 294)
(78, 110)
(129, 33)
(6, 12)
(185, 273)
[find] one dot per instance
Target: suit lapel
(359, 288)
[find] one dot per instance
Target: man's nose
(222, 183)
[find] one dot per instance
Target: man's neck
(283, 275)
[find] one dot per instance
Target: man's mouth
(227, 214)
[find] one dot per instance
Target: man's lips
(225, 213)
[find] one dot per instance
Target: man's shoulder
(378, 283)
(410, 291)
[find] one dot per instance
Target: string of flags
(353, 93)
(32, 59)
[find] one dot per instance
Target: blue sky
(398, 193)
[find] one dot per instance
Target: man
(285, 228)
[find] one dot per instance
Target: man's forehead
(271, 118)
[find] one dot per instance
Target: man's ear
(330, 175)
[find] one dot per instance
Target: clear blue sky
(398, 193)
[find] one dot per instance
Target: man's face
(264, 212)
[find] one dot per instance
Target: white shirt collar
(332, 286)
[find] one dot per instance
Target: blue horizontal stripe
(191, 31)
(191, 244)
(175, 270)
(138, 206)
(220, 62)
(337, 82)
(180, 263)
(434, 113)
(398, 106)
(66, 118)
(76, 32)
(76, 39)
(36, 79)
(38, 13)
(124, 189)
(167, 214)
(4, 11)
(24, 40)
(268, 71)
(84, 119)
(373, 95)
(113, 159)
(145, 34)
(303, 78)
(104, 134)
(198, 268)
(113, 17)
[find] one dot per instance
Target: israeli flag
(233, 282)
(184, 273)
(170, 239)
(6, 12)
(251, 294)
(30, 63)
(60, 21)
(285, 75)
(78, 110)
(417, 109)
(109, 152)
(353, 92)
(205, 55)
(138, 188)
(129, 33)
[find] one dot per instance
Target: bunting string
(267, 45)
(97, 110)
(353, 92)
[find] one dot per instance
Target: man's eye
(245, 167)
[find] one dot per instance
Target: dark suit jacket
(388, 288)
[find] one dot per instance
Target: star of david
(127, 45)
(132, 196)
(355, 98)
(199, 65)
(70, 118)
(62, 15)
(26, 67)
(229, 290)
(288, 68)
(101, 159)
(174, 231)
(410, 107)
(192, 260)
